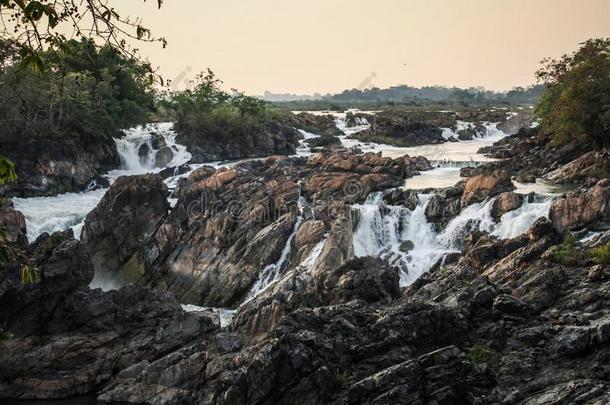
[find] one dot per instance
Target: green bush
(601, 254)
(567, 253)
(479, 354)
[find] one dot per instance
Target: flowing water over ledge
(382, 230)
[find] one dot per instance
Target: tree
(576, 103)
(87, 91)
(36, 26)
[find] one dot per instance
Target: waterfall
(274, 271)
(52, 214)
(406, 239)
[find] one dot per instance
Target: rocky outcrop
(516, 122)
(323, 125)
(264, 139)
(505, 202)
(398, 130)
(582, 208)
(62, 339)
(445, 204)
(231, 226)
(12, 223)
(48, 166)
(529, 154)
(595, 164)
(121, 223)
(482, 186)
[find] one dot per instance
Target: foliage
(576, 103)
(601, 254)
(5, 335)
(567, 253)
(479, 354)
(38, 26)
(87, 92)
(7, 171)
(341, 378)
(209, 110)
(29, 275)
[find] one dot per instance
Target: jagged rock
(47, 165)
(157, 141)
(323, 125)
(12, 222)
(516, 123)
(264, 139)
(445, 204)
(400, 129)
(406, 198)
(478, 188)
(580, 209)
(505, 202)
(309, 232)
(592, 164)
(164, 156)
(174, 171)
(126, 216)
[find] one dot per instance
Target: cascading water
(405, 237)
(274, 271)
(51, 214)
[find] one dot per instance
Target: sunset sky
(307, 46)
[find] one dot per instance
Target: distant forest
(407, 95)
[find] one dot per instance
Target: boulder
(504, 203)
(164, 156)
(582, 208)
(482, 186)
(125, 217)
(12, 222)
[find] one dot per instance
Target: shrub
(567, 253)
(601, 254)
(479, 354)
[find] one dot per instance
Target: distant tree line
(439, 95)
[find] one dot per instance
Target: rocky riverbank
(508, 314)
(404, 128)
(507, 321)
(50, 166)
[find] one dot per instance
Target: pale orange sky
(307, 46)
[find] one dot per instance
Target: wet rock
(164, 156)
(157, 141)
(510, 305)
(144, 152)
(126, 216)
(406, 198)
(174, 171)
(479, 187)
(505, 202)
(309, 232)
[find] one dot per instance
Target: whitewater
(404, 237)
